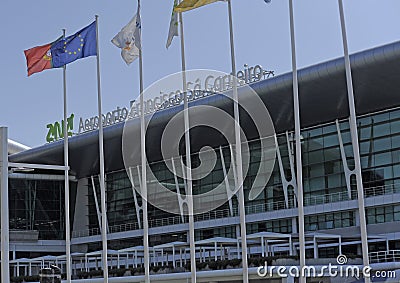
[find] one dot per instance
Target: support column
(227, 186)
(262, 247)
(96, 203)
(137, 207)
(173, 257)
(354, 141)
(347, 172)
(315, 247)
(5, 236)
(285, 182)
(181, 201)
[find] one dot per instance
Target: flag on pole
(39, 58)
(129, 38)
(173, 25)
(187, 5)
(80, 45)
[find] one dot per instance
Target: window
(277, 226)
(383, 214)
(329, 221)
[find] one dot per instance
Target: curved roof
(323, 98)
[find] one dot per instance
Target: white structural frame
(238, 148)
(5, 213)
(354, 142)
(297, 136)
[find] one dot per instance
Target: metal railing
(384, 256)
(329, 198)
(343, 196)
(173, 220)
(124, 227)
(382, 190)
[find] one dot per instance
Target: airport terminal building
(332, 225)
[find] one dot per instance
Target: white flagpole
(146, 253)
(297, 134)
(354, 142)
(144, 176)
(5, 217)
(188, 159)
(101, 152)
(66, 181)
(238, 142)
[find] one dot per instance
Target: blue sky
(261, 37)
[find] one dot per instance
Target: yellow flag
(187, 5)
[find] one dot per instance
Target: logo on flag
(39, 58)
(80, 45)
(129, 39)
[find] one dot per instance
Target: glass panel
(332, 154)
(382, 144)
(316, 170)
(370, 219)
(394, 114)
(334, 181)
(396, 171)
(315, 144)
(395, 127)
(365, 133)
(383, 158)
(365, 147)
(317, 183)
(383, 117)
(331, 140)
(380, 219)
(381, 130)
(316, 157)
(346, 223)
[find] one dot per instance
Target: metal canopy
(217, 240)
(171, 245)
(268, 235)
(323, 99)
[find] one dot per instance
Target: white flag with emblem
(129, 39)
(173, 25)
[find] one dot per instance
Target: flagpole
(188, 159)
(146, 253)
(4, 207)
(102, 175)
(66, 181)
(144, 177)
(238, 142)
(297, 134)
(354, 142)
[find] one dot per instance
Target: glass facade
(38, 205)
(323, 177)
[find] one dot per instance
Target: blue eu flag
(80, 45)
